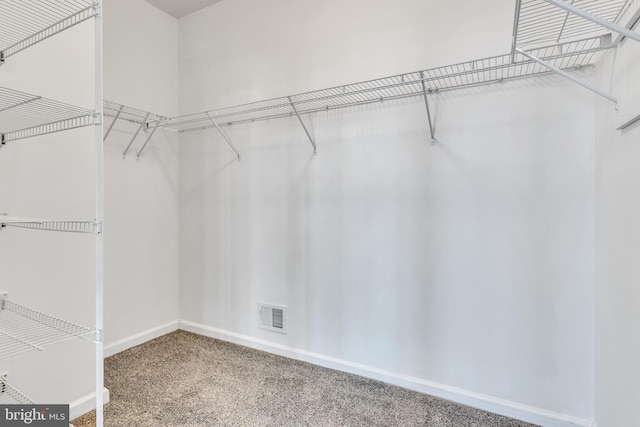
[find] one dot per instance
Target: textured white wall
(469, 264)
(141, 218)
(617, 274)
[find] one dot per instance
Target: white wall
(141, 197)
(617, 275)
(468, 264)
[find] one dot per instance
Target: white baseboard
(141, 338)
(481, 401)
(86, 404)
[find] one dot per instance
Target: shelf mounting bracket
(155, 128)
(295, 110)
(568, 76)
(115, 119)
(224, 135)
(590, 17)
(426, 103)
(142, 125)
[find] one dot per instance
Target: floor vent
(273, 318)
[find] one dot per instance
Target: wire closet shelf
(9, 395)
(494, 69)
(23, 115)
(25, 23)
(539, 22)
(90, 227)
(23, 329)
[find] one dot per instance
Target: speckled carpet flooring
(183, 379)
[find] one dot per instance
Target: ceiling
(180, 8)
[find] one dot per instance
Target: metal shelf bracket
(224, 135)
(295, 110)
(142, 125)
(568, 76)
(593, 18)
(426, 103)
(115, 119)
(155, 128)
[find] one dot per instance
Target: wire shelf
(23, 115)
(23, 329)
(91, 227)
(540, 23)
(483, 71)
(24, 23)
(114, 110)
(9, 395)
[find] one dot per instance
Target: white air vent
(273, 317)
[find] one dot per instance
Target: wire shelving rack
(23, 115)
(23, 329)
(9, 395)
(25, 23)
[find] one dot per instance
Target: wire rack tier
(114, 111)
(24, 23)
(9, 395)
(23, 329)
(90, 227)
(541, 23)
(23, 115)
(494, 69)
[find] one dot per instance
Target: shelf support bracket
(602, 22)
(426, 103)
(155, 128)
(135, 135)
(295, 110)
(224, 135)
(568, 76)
(115, 119)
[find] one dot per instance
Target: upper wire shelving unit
(10, 395)
(24, 23)
(23, 115)
(23, 329)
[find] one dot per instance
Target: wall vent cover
(273, 317)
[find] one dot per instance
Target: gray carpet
(183, 379)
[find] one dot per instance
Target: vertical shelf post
(99, 170)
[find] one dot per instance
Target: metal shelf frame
(10, 395)
(26, 23)
(23, 329)
(23, 115)
(88, 227)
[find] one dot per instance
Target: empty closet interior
(437, 195)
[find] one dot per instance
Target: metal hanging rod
(25, 23)
(494, 69)
(23, 329)
(9, 395)
(91, 227)
(543, 22)
(23, 115)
